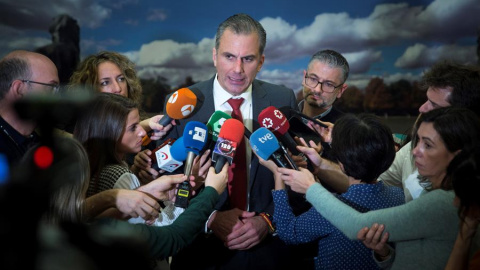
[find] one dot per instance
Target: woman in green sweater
(424, 230)
(65, 228)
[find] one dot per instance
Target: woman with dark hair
(364, 148)
(65, 228)
(424, 229)
(464, 172)
(109, 130)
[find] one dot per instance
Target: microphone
(179, 105)
(267, 147)
(178, 150)
(229, 137)
(214, 125)
(273, 119)
(194, 139)
(169, 156)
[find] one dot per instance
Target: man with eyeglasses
(324, 82)
(22, 73)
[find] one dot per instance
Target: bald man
(21, 73)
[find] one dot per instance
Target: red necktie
(237, 176)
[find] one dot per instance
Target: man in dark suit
(238, 237)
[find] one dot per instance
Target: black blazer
(263, 95)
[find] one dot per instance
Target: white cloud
(361, 62)
(157, 15)
(290, 79)
(386, 25)
(168, 53)
(176, 76)
(419, 55)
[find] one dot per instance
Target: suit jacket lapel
(259, 102)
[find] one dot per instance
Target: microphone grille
(181, 103)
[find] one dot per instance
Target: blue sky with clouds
(174, 39)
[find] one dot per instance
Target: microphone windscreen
(264, 143)
(181, 103)
(232, 130)
(178, 150)
(215, 123)
(273, 119)
(195, 136)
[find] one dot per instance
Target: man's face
(237, 61)
(436, 98)
(317, 98)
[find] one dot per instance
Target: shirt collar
(221, 95)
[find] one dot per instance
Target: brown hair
(86, 74)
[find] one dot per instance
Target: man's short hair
(332, 59)
(242, 24)
(463, 79)
(12, 68)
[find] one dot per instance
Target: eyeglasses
(326, 87)
(55, 87)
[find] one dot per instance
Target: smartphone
(306, 118)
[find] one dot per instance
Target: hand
(324, 132)
(135, 203)
(163, 188)
(200, 167)
(372, 238)
(217, 181)
(300, 161)
(223, 223)
(269, 164)
(311, 144)
(142, 167)
(248, 235)
(158, 130)
(299, 181)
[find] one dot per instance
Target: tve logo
(266, 137)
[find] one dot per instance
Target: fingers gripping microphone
(194, 139)
(179, 105)
(231, 134)
(266, 145)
